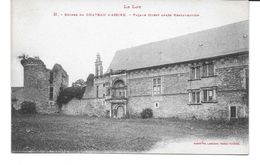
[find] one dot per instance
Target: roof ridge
(196, 45)
(182, 35)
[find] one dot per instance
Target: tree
(69, 93)
(79, 83)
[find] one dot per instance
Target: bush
(147, 113)
(13, 112)
(69, 93)
(28, 107)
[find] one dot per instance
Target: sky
(74, 41)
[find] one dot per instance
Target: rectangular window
(157, 85)
(51, 77)
(208, 70)
(51, 93)
(211, 70)
(210, 92)
(233, 112)
(198, 97)
(205, 70)
(205, 95)
(97, 91)
(108, 92)
(247, 79)
(192, 77)
(194, 97)
(209, 95)
(195, 73)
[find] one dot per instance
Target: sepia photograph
(130, 76)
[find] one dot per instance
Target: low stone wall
(90, 107)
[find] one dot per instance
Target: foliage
(69, 93)
(28, 107)
(79, 83)
(76, 91)
(147, 113)
(13, 110)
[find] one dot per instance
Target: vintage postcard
(130, 76)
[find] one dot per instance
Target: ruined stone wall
(90, 107)
(37, 85)
(60, 80)
(32, 95)
(90, 104)
(100, 84)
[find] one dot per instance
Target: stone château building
(200, 75)
(41, 85)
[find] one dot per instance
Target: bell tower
(98, 66)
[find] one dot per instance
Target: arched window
(118, 83)
(118, 89)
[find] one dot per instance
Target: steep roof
(228, 39)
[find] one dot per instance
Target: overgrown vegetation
(28, 107)
(69, 93)
(13, 110)
(147, 113)
(79, 83)
(76, 91)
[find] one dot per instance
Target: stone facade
(230, 82)
(209, 83)
(41, 85)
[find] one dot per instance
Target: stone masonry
(41, 85)
(229, 80)
(201, 75)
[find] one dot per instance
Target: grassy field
(59, 133)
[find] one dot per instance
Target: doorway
(120, 112)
